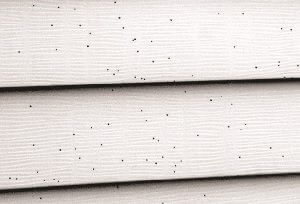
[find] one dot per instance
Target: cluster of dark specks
(113, 71)
(290, 29)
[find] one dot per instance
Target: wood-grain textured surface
(54, 42)
(97, 135)
(255, 190)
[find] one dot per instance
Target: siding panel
(99, 135)
(131, 41)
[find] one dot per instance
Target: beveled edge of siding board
(175, 83)
(141, 182)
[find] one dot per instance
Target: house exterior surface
(129, 101)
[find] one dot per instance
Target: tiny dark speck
(40, 198)
(30, 106)
(270, 147)
(119, 17)
(19, 51)
(87, 46)
(210, 99)
(60, 150)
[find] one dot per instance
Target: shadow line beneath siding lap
(143, 182)
(120, 85)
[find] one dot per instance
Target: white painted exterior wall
(74, 135)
